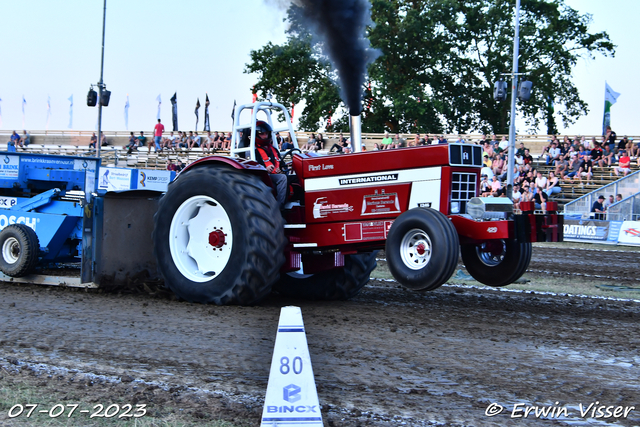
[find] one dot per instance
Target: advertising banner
(630, 233)
(586, 230)
(154, 179)
(114, 179)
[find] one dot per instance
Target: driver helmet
(263, 127)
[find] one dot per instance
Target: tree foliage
(439, 61)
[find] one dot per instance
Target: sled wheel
(20, 249)
(337, 284)
(422, 249)
(218, 237)
(496, 262)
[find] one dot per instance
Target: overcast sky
(52, 51)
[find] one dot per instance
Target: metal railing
(627, 187)
(627, 209)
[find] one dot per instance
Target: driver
(269, 157)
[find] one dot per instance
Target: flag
(610, 98)
(174, 111)
(206, 115)
(70, 112)
(159, 104)
(329, 120)
(48, 111)
(196, 111)
(24, 102)
(292, 108)
(233, 111)
(254, 94)
(126, 113)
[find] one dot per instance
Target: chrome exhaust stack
(355, 129)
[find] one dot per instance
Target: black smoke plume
(340, 25)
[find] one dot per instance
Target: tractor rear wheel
(218, 237)
(422, 249)
(20, 250)
(496, 262)
(332, 285)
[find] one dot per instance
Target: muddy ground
(388, 357)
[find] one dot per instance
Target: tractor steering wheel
(287, 168)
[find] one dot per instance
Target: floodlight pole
(101, 84)
(514, 90)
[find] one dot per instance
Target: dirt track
(386, 357)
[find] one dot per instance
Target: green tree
(439, 61)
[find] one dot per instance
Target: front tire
(20, 250)
(218, 237)
(422, 249)
(332, 285)
(497, 262)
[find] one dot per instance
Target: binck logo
(368, 179)
(284, 409)
(29, 222)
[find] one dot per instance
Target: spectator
(132, 143)
(624, 164)
(487, 171)
(597, 155)
(103, 140)
(553, 154)
(182, 139)
(516, 196)
(311, 143)
(586, 170)
(610, 138)
(488, 150)
(485, 186)
(503, 146)
(520, 151)
(340, 146)
(553, 186)
(618, 197)
(287, 144)
(227, 141)
(622, 145)
(441, 140)
(26, 139)
(398, 141)
(319, 145)
(386, 141)
(195, 141)
(189, 140)
(486, 161)
(540, 199)
(598, 208)
(573, 169)
(608, 202)
(540, 181)
(280, 140)
(496, 187)
(93, 141)
(14, 141)
(171, 166)
(498, 164)
(608, 155)
(158, 130)
(142, 140)
(208, 142)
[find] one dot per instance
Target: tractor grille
(463, 189)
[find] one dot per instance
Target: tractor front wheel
(218, 237)
(496, 262)
(422, 249)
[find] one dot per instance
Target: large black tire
(422, 249)
(496, 263)
(332, 285)
(219, 237)
(20, 250)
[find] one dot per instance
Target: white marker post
(292, 399)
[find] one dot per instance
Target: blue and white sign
(10, 167)
(153, 179)
(292, 398)
(630, 233)
(114, 179)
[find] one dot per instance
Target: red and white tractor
(220, 237)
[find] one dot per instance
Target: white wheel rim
(11, 250)
(415, 249)
(189, 239)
